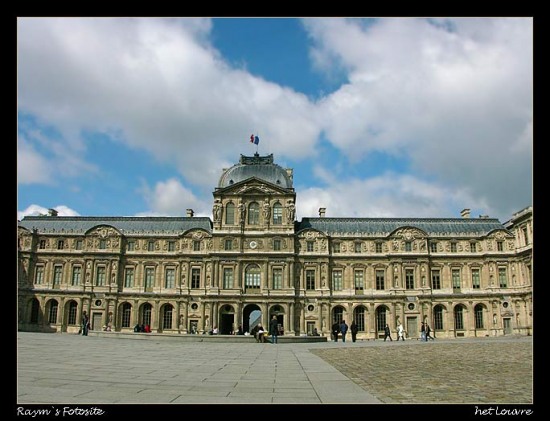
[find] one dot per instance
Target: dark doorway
(226, 324)
(252, 315)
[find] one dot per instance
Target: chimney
(52, 212)
(322, 212)
(190, 213)
(465, 213)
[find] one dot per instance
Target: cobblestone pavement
(484, 370)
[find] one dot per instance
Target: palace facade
(464, 276)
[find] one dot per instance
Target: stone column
(291, 317)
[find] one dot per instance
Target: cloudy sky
(391, 117)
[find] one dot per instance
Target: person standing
(423, 332)
(335, 331)
(343, 330)
(274, 329)
(400, 332)
(85, 324)
(387, 333)
(353, 329)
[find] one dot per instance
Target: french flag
(254, 139)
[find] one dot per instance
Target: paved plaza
(74, 369)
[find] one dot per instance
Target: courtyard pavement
(74, 369)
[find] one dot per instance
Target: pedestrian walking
(353, 329)
(335, 331)
(423, 332)
(274, 329)
(85, 324)
(387, 333)
(343, 330)
(400, 332)
(428, 330)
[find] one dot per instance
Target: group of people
(142, 328)
(342, 329)
(425, 332)
(259, 332)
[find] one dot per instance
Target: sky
(386, 117)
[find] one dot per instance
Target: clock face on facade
(253, 244)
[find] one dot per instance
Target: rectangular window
(151, 246)
(276, 245)
(227, 278)
(78, 244)
(196, 246)
(277, 215)
(475, 279)
(500, 245)
(171, 246)
(438, 319)
(131, 245)
(42, 244)
(380, 280)
(129, 278)
(409, 278)
(277, 278)
(337, 280)
(102, 244)
(57, 275)
(379, 247)
(309, 246)
(100, 276)
(77, 273)
(473, 247)
(310, 279)
(60, 244)
(358, 276)
(436, 279)
(455, 275)
(502, 278)
(170, 278)
(195, 278)
(39, 275)
(525, 236)
(357, 247)
(149, 279)
(433, 247)
(408, 246)
(336, 248)
(453, 247)
(228, 244)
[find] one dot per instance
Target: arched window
(35, 310)
(73, 306)
(253, 213)
(230, 214)
(459, 317)
(381, 318)
(438, 317)
(478, 312)
(146, 315)
(337, 314)
(277, 214)
(252, 276)
(126, 314)
(52, 314)
(167, 316)
(359, 317)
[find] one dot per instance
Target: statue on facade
(217, 211)
(267, 210)
(242, 212)
(290, 211)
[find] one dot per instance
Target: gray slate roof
(261, 167)
(385, 226)
(127, 225)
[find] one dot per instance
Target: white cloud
(32, 167)
(171, 198)
(37, 210)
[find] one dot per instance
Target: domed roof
(261, 167)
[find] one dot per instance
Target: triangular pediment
(252, 186)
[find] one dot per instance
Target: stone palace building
(464, 276)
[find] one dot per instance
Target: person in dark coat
(353, 329)
(387, 333)
(343, 330)
(335, 331)
(85, 324)
(274, 329)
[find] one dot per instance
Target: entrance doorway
(227, 319)
(96, 321)
(507, 322)
(412, 327)
(252, 316)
